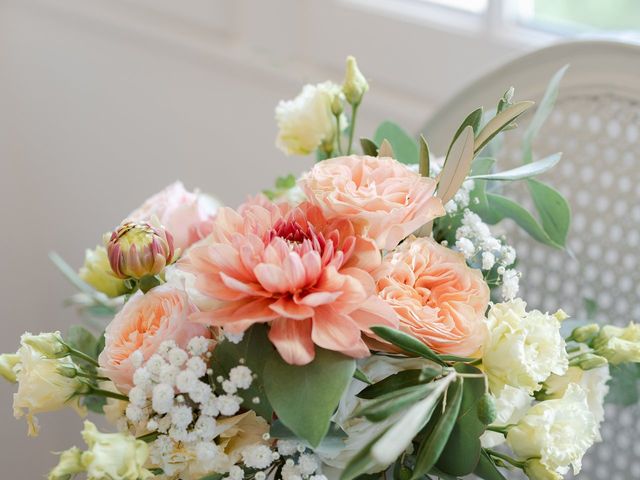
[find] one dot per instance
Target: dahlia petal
(294, 270)
(318, 298)
(374, 311)
(226, 258)
(333, 330)
(287, 308)
(292, 339)
(365, 256)
(359, 350)
(272, 278)
(243, 287)
(312, 265)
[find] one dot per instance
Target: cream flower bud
(355, 85)
(588, 361)
(97, 272)
(522, 348)
(117, 456)
(41, 387)
(307, 122)
(535, 470)
(619, 345)
(68, 466)
(558, 432)
(585, 334)
(138, 249)
(8, 361)
(48, 344)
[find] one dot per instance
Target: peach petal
(292, 339)
(333, 330)
(287, 308)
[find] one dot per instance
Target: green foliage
(486, 468)
(500, 122)
(404, 146)
(624, 386)
(462, 452)
(333, 441)
(473, 120)
(305, 397)
(400, 380)
(94, 403)
(406, 342)
(383, 406)
(522, 172)
(79, 338)
(282, 184)
(424, 160)
(369, 147)
(553, 210)
(255, 348)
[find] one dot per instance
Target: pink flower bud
(138, 249)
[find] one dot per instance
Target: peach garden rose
(437, 297)
(380, 195)
(145, 322)
(306, 276)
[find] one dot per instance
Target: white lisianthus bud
(307, 121)
(97, 272)
(48, 344)
(558, 432)
(8, 361)
(535, 470)
(511, 404)
(118, 456)
(585, 333)
(68, 466)
(41, 387)
(355, 85)
(593, 382)
(618, 345)
(522, 348)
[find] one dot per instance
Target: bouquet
(358, 322)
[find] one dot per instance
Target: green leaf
(501, 207)
(457, 165)
(400, 380)
(406, 342)
(542, 113)
(462, 452)
(369, 147)
(360, 375)
(473, 120)
(213, 476)
(362, 461)
(390, 403)
(624, 386)
(486, 469)
(94, 403)
(424, 157)
(256, 349)
(404, 146)
(305, 397)
(432, 446)
(522, 172)
(554, 211)
(333, 442)
(82, 339)
(499, 123)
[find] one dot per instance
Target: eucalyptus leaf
(83, 340)
(499, 123)
(523, 171)
(624, 386)
(554, 211)
(432, 446)
(542, 113)
(392, 402)
(486, 469)
(403, 144)
(256, 349)
(406, 342)
(317, 388)
(369, 147)
(473, 120)
(457, 165)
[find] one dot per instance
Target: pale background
(103, 103)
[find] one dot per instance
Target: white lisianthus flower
(68, 466)
(522, 348)
(307, 121)
(511, 404)
(535, 470)
(558, 432)
(360, 431)
(617, 344)
(593, 382)
(118, 456)
(42, 388)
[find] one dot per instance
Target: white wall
(104, 102)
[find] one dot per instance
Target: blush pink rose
(437, 297)
(307, 277)
(144, 322)
(186, 215)
(380, 195)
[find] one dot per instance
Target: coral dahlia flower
(304, 275)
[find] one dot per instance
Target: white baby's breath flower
(197, 366)
(257, 456)
(308, 464)
(236, 473)
(522, 348)
(558, 432)
(286, 447)
(228, 404)
(241, 376)
(198, 346)
(307, 121)
(162, 399)
(510, 284)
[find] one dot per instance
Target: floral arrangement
(360, 321)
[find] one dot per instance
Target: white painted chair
(596, 124)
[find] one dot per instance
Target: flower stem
(495, 428)
(77, 353)
(108, 394)
(352, 127)
(149, 437)
(93, 377)
(506, 458)
(338, 134)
